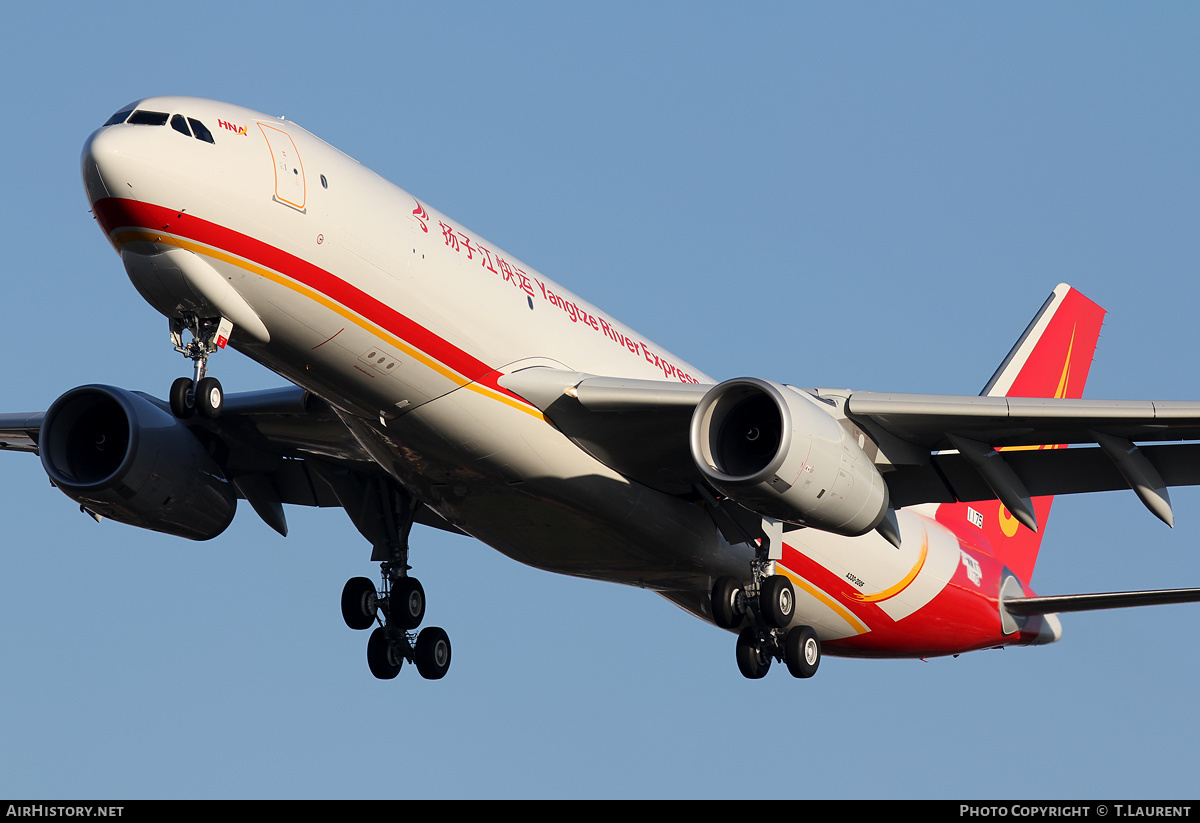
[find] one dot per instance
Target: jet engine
(121, 456)
(776, 451)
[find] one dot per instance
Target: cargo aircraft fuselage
(442, 380)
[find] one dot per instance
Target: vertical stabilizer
(1051, 359)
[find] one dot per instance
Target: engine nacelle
(121, 456)
(775, 451)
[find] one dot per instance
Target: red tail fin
(1052, 359)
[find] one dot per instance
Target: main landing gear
(199, 392)
(383, 512)
(764, 609)
(398, 609)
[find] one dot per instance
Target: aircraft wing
(930, 448)
(19, 432)
(636, 427)
(918, 429)
(926, 419)
(276, 446)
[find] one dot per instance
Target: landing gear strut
(383, 512)
(764, 609)
(199, 392)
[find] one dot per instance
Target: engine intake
(121, 456)
(774, 450)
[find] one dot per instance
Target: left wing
(641, 428)
(1028, 432)
(638, 428)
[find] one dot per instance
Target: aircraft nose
(117, 169)
(118, 160)
(100, 146)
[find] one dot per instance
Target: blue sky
(876, 197)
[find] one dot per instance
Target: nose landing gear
(199, 392)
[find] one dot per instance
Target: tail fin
(1051, 359)
(1054, 355)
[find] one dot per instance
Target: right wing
(19, 432)
(274, 446)
(928, 448)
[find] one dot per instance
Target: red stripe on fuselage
(836, 587)
(962, 616)
(116, 213)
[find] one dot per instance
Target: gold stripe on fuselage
(134, 235)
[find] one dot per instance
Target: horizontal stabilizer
(1057, 604)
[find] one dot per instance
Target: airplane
(436, 379)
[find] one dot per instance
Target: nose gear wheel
(200, 392)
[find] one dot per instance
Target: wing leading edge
(930, 448)
(640, 428)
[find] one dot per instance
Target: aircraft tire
(778, 601)
(384, 663)
(406, 606)
(752, 660)
(210, 397)
(802, 651)
(182, 398)
(433, 653)
(727, 597)
(359, 603)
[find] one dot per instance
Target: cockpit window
(187, 126)
(201, 131)
(142, 117)
(119, 117)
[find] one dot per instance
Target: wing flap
(948, 477)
